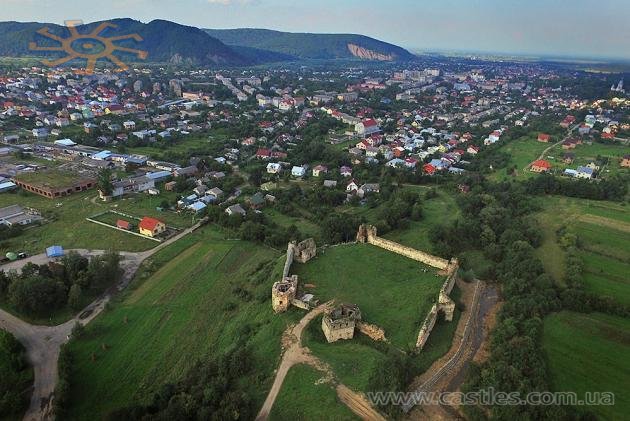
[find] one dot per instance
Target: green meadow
(304, 396)
(189, 302)
(392, 291)
(588, 353)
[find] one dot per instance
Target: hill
(163, 40)
(313, 46)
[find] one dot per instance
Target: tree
(104, 182)
(75, 297)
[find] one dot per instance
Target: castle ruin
(445, 305)
(340, 322)
(284, 292)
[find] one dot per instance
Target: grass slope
(304, 397)
(184, 311)
(588, 353)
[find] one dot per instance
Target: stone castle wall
(289, 260)
(427, 327)
(367, 234)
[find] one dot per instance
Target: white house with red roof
(367, 127)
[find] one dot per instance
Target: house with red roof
(263, 153)
(367, 127)
(543, 137)
(429, 169)
(122, 224)
(540, 166)
(151, 227)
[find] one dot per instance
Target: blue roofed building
(54, 251)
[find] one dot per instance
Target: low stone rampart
(374, 332)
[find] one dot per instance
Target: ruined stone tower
(282, 293)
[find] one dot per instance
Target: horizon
(516, 30)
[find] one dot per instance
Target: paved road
(43, 343)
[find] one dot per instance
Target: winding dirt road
(43, 343)
(295, 353)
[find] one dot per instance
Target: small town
(252, 224)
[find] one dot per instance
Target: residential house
(151, 227)
(298, 171)
(543, 137)
(584, 172)
(235, 210)
(352, 186)
(367, 127)
(274, 168)
(319, 170)
(540, 166)
(256, 201)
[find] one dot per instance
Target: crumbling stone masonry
(372, 331)
(340, 322)
(305, 250)
(367, 234)
(283, 293)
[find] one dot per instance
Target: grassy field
(354, 361)
(304, 397)
(602, 228)
(66, 225)
(439, 210)
(182, 307)
(391, 290)
(305, 226)
(65, 222)
(522, 151)
(588, 353)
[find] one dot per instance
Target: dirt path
(543, 153)
(295, 353)
(358, 404)
(43, 343)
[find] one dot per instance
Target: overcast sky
(581, 28)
